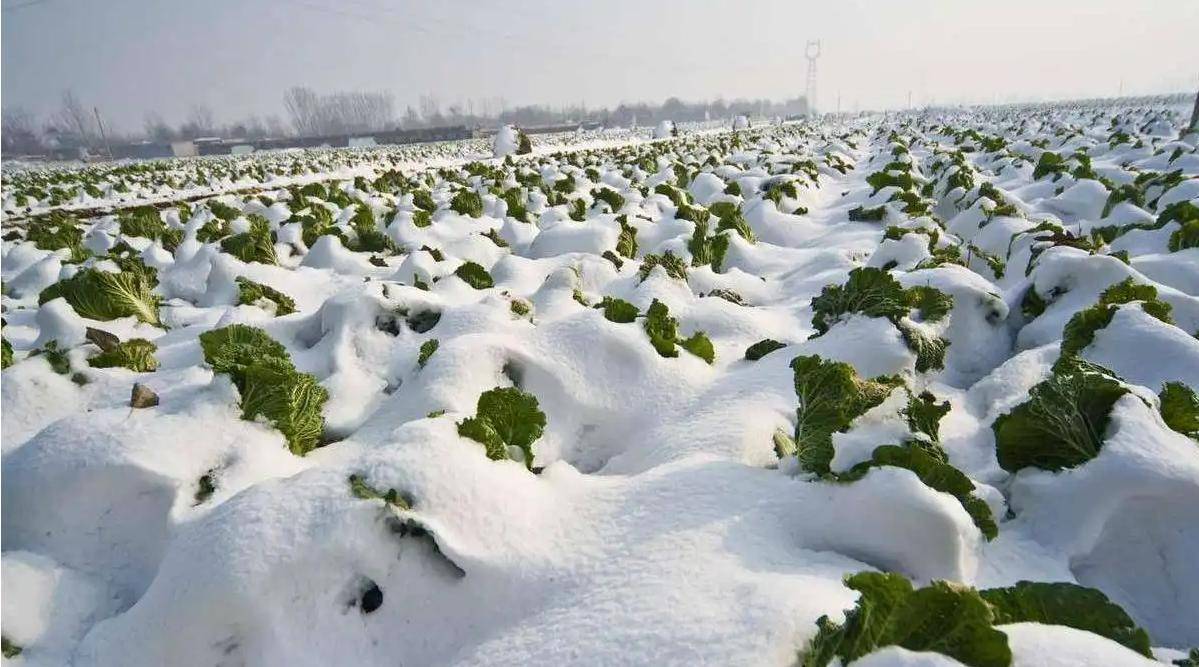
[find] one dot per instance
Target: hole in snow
(411, 528)
(371, 599)
(515, 374)
(389, 323)
(423, 321)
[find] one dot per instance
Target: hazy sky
(130, 57)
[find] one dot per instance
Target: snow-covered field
(617, 400)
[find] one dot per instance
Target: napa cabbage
(762, 348)
(959, 621)
(475, 275)
(101, 295)
(875, 293)
(507, 422)
(618, 310)
(270, 386)
(254, 245)
(831, 396)
(250, 292)
(1081, 329)
(947, 618)
(1180, 408)
(427, 349)
(1062, 424)
(467, 202)
(674, 266)
(136, 354)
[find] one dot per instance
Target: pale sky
(130, 57)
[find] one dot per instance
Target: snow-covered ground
(619, 400)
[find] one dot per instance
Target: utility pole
(103, 135)
(812, 52)
(1194, 117)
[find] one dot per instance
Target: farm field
(904, 389)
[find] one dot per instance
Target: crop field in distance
(914, 388)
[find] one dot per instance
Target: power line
(23, 5)
(368, 12)
(374, 15)
(338, 11)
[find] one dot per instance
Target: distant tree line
(74, 125)
(309, 113)
(495, 112)
(313, 114)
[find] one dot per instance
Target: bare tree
(199, 123)
(430, 110)
(303, 107)
(73, 117)
(18, 133)
(411, 119)
(200, 117)
(338, 113)
(156, 128)
(254, 128)
(275, 126)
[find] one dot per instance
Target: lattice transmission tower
(812, 52)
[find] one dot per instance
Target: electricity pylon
(1194, 117)
(812, 52)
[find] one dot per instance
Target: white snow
(506, 141)
(660, 527)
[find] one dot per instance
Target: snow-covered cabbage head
(665, 130)
(510, 141)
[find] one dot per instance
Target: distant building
(142, 151)
(66, 145)
(565, 127)
(220, 146)
(211, 146)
